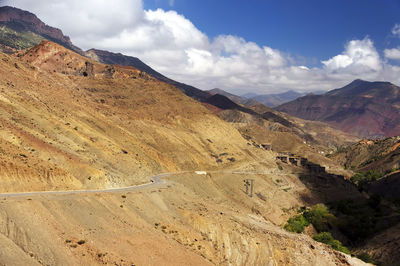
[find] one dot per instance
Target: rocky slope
(35, 31)
(366, 109)
(124, 60)
(21, 29)
(192, 220)
(70, 122)
(381, 155)
(284, 132)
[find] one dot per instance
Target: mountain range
(86, 122)
(273, 100)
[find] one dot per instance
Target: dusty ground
(193, 220)
(70, 123)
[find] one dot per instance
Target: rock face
(23, 21)
(366, 109)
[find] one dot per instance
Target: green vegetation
(362, 219)
(322, 220)
(365, 257)
(361, 179)
(18, 40)
(296, 224)
(327, 238)
(320, 217)
(390, 171)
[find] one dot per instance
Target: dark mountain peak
(217, 91)
(363, 108)
(360, 87)
(23, 21)
(222, 102)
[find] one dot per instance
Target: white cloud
(396, 30)
(393, 54)
(83, 20)
(172, 45)
(359, 56)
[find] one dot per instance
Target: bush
(363, 178)
(296, 224)
(327, 238)
(320, 217)
(365, 257)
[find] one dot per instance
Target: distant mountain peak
(363, 108)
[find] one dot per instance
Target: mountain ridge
(25, 21)
(362, 108)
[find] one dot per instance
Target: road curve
(155, 180)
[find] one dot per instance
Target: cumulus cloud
(174, 46)
(359, 58)
(393, 54)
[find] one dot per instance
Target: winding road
(155, 180)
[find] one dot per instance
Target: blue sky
(316, 29)
(260, 46)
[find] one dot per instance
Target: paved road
(155, 180)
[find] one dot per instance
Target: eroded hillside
(191, 220)
(68, 122)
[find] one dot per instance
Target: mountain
(380, 155)
(124, 60)
(94, 123)
(68, 122)
(71, 123)
(262, 124)
(273, 100)
(21, 29)
(233, 97)
(366, 109)
(27, 26)
(248, 95)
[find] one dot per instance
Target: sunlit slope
(68, 122)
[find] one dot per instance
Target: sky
(260, 46)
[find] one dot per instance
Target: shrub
(365, 257)
(363, 178)
(296, 224)
(327, 238)
(320, 217)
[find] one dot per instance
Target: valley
(105, 161)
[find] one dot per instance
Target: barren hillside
(71, 123)
(68, 122)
